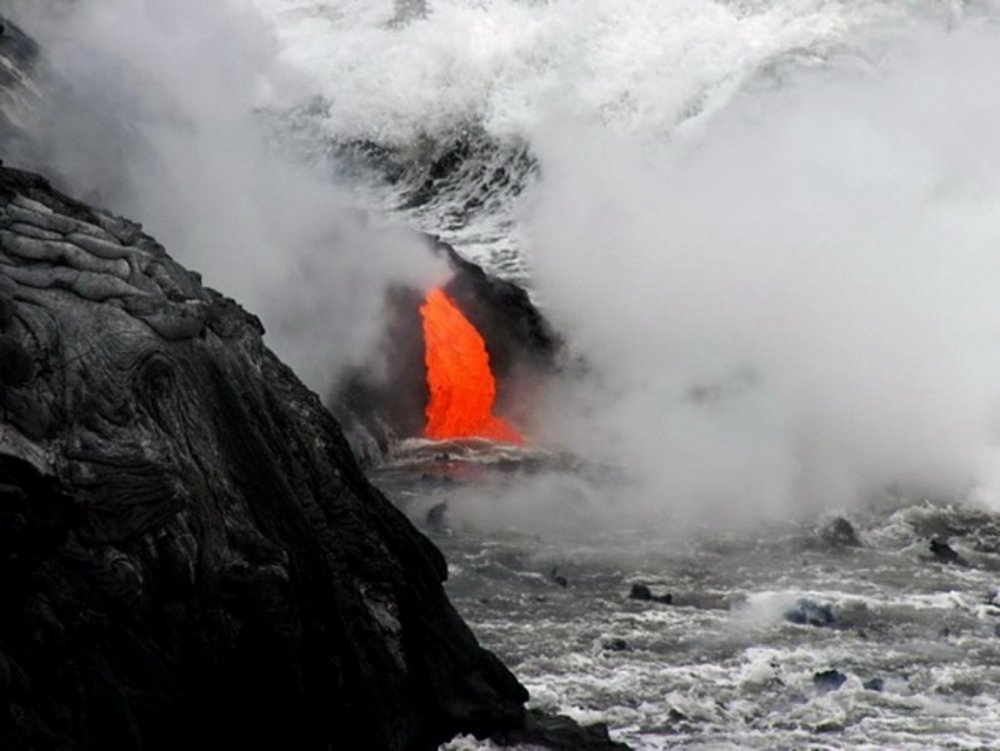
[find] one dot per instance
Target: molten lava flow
(462, 388)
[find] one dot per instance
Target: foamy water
(638, 66)
(454, 94)
(722, 667)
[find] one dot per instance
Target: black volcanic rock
(640, 592)
(645, 594)
(515, 331)
(189, 554)
(874, 684)
(806, 612)
(829, 680)
(615, 644)
(840, 533)
(945, 553)
(559, 733)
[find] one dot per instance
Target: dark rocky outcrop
(806, 612)
(556, 578)
(615, 644)
(839, 533)
(829, 680)
(559, 733)
(189, 554)
(645, 594)
(874, 684)
(515, 331)
(944, 553)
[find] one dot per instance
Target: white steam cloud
(789, 301)
(798, 306)
(157, 120)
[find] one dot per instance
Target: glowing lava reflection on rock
(461, 384)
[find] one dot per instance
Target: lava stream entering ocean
(461, 384)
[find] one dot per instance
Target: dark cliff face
(188, 551)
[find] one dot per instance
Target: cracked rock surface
(189, 555)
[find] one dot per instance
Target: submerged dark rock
(873, 684)
(829, 680)
(809, 613)
(645, 594)
(840, 533)
(945, 553)
(615, 644)
(189, 554)
(640, 592)
(559, 733)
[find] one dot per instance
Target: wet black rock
(809, 613)
(516, 333)
(675, 716)
(829, 680)
(16, 365)
(840, 533)
(874, 684)
(615, 645)
(830, 727)
(993, 597)
(942, 552)
(6, 307)
(559, 733)
(640, 592)
(190, 556)
(645, 594)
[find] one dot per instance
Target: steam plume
(156, 115)
(796, 307)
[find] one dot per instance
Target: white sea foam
(635, 65)
(420, 77)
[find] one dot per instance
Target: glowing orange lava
(462, 388)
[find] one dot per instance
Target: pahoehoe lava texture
(189, 554)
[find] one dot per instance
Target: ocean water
(768, 229)
(725, 665)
